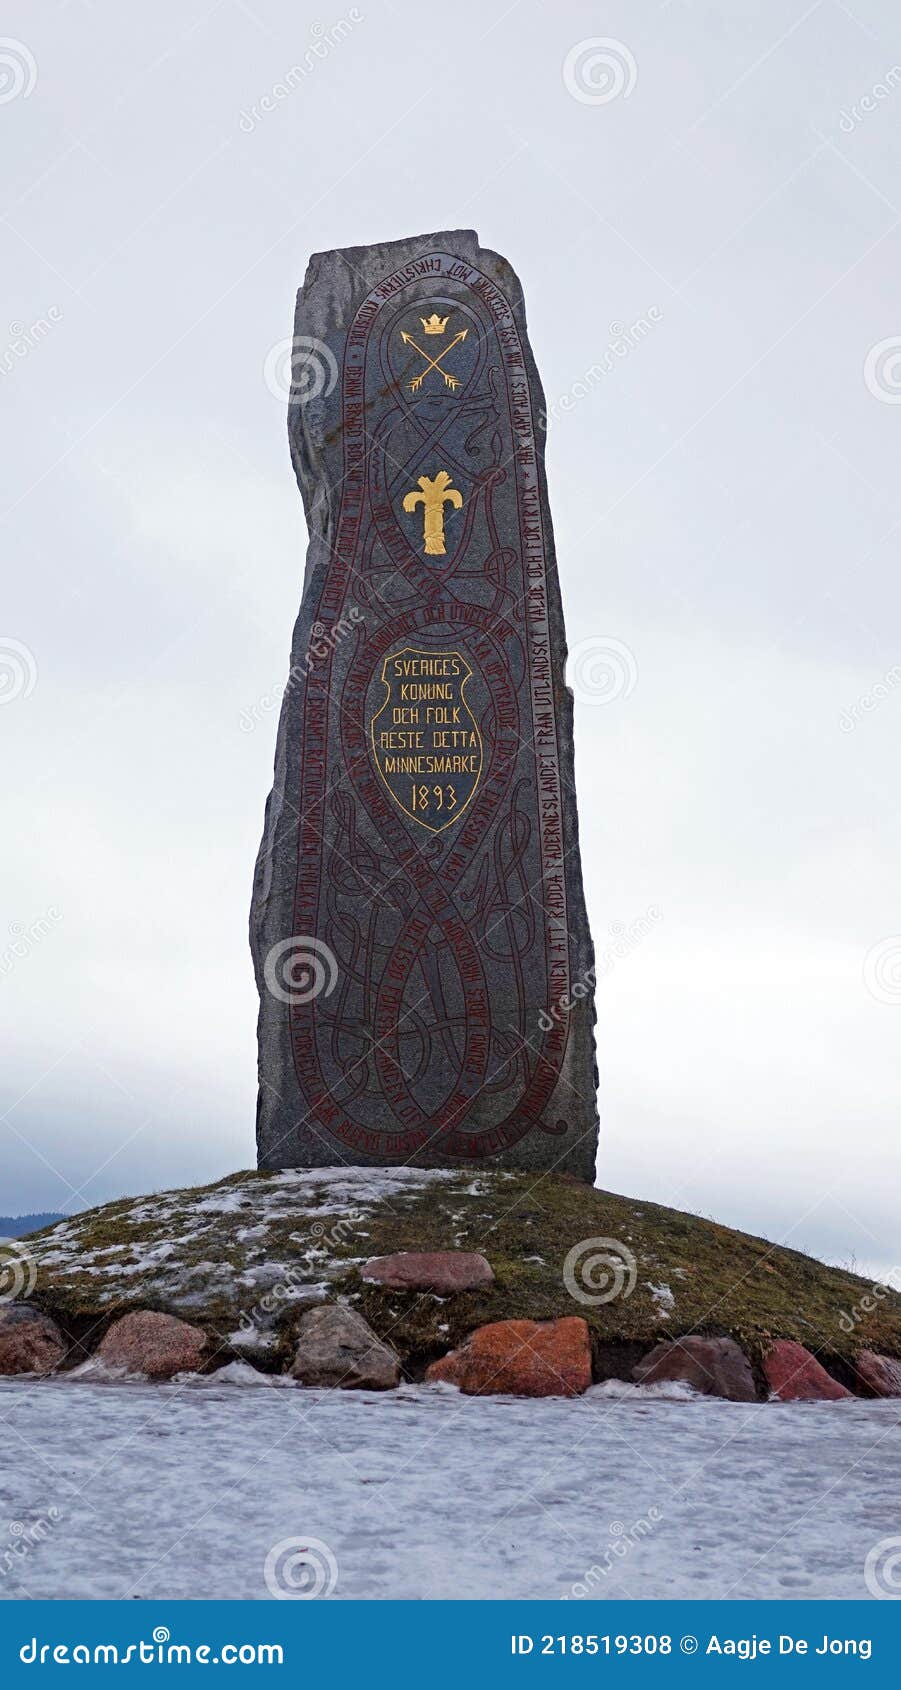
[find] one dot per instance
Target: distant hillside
(16, 1226)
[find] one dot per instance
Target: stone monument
(418, 922)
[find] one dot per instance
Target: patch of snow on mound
(664, 1301)
(228, 1245)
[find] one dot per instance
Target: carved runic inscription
(421, 843)
(425, 739)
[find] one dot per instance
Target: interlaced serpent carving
(448, 943)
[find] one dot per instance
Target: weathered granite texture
(418, 922)
(521, 1358)
(716, 1367)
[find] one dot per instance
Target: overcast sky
(727, 505)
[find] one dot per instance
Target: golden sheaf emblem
(425, 738)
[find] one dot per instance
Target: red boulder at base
(520, 1358)
(879, 1375)
(715, 1366)
(794, 1375)
(157, 1345)
(30, 1342)
(443, 1272)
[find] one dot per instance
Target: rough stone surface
(29, 1341)
(880, 1375)
(522, 1358)
(157, 1345)
(335, 1347)
(418, 922)
(715, 1366)
(794, 1375)
(442, 1271)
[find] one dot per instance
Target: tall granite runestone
(418, 923)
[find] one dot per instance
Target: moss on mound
(244, 1256)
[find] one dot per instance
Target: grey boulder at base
(335, 1347)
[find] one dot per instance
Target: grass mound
(246, 1255)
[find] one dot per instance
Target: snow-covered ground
(128, 1490)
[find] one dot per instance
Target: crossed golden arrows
(433, 326)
